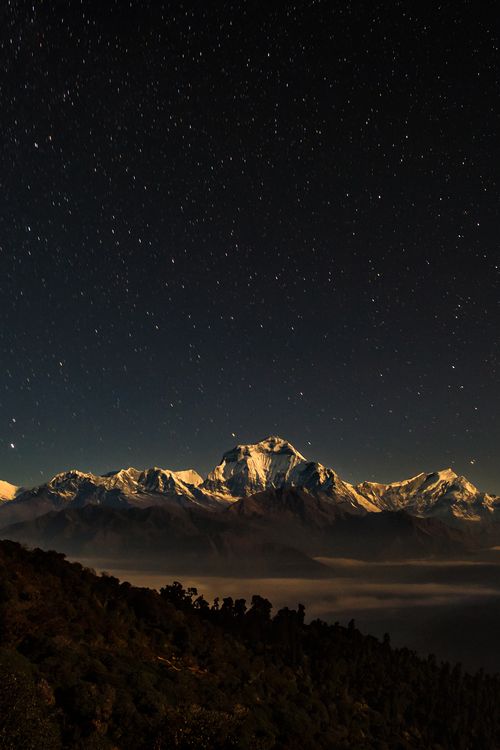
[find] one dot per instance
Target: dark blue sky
(225, 220)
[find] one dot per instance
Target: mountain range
(263, 501)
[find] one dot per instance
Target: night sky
(226, 220)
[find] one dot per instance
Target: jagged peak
(275, 442)
(447, 474)
(128, 477)
(270, 444)
(70, 474)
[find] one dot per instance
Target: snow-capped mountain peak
(437, 493)
(7, 491)
(273, 463)
(255, 467)
(69, 481)
(447, 474)
(274, 444)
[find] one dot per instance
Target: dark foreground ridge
(89, 662)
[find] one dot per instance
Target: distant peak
(71, 473)
(131, 471)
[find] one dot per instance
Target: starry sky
(226, 220)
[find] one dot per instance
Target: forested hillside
(89, 662)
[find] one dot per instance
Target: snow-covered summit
(7, 491)
(252, 468)
(270, 446)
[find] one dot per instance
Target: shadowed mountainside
(89, 663)
(276, 532)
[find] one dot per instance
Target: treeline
(87, 662)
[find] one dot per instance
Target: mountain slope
(176, 537)
(88, 662)
(318, 526)
(276, 532)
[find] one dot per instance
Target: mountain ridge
(277, 532)
(245, 470)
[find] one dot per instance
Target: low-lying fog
(451, 609)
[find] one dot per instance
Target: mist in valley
(450, 608)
